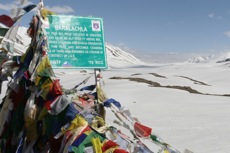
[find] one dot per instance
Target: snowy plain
(197, 122)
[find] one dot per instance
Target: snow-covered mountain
(218, 58)
(224, 58)
(122, 57)
(201, 59)
(116, 57)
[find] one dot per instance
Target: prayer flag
(29, 7)
(6, 20)
(110, 101)
(91, 88)
(142, 130)
(120, 151)
(108, 145)
(3, 32)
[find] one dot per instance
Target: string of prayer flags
(83, 82)
(142, 148)
(120, 139)
(139, 130)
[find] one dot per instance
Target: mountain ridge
(120, 57)
(116, 57)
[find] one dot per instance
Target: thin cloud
(7, 7)
(214, 16)
(17, 2)
(61, 9)
(219, 17)
(227, 33)
(211, 15)
(14, 4)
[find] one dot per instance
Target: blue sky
(156, 26)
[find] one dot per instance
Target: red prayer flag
(142, 130)
(120, 151)
(56, 88)
(6, 20)
(108, 144)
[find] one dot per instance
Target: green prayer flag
(87, 142)
(3, 32)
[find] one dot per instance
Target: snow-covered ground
(197, 122)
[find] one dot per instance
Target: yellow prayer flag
(97, 145)
(77, 122)
(166, 151)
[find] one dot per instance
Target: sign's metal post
(99, 106)
(96, 84)
(96, 81)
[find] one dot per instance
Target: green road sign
(76, 42)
